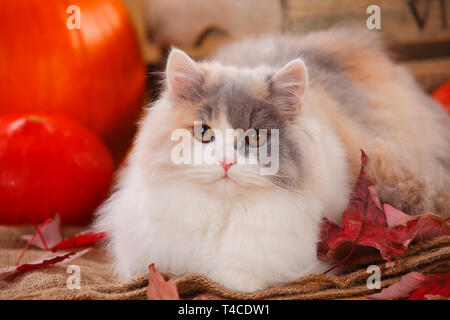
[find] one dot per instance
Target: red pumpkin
(49, 165)
(442, 94)
(94, 74)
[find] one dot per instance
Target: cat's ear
(184, 77)
(288, 86)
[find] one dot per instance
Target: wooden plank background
(423, 46)
(399, 25)
(151, 52)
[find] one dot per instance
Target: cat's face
(231, 130)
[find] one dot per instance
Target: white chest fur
(245, 244)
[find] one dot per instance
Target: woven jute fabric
(98, 281)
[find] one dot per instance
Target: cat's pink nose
(226, 166)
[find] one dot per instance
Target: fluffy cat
(329, 94)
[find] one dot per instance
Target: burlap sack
(98, 282)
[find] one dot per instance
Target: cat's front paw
(238, 280)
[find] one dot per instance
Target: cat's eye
(204, 133)
(257, 138)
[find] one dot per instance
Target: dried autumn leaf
(428, 225)
(438, 288)
(48, 234)
(431, 226)
(84, 239)
(401, 289)
(160, 289)
(364, 222)
(48, 259)
(367, 223)
(394, 216)
(417, 286)
(37, 238)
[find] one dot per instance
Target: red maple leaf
(436, 288)
(51, 258)
(417, 286)
(366, 224)
(47, 234)
(423, 227)
(45, 261)
(442, 94)
(81, 240)
(160, 289)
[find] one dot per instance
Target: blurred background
(75, 75)
(416, 31)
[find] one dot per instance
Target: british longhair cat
(249, 219)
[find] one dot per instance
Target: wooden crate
(403, 22)
(151, 52)
(418, 31)
(430, 73)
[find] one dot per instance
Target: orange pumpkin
(93, 74)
